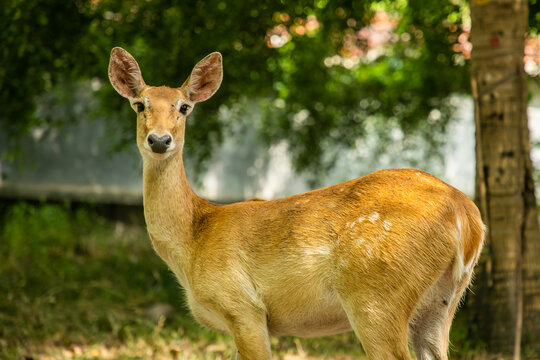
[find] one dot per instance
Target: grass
(77, 286)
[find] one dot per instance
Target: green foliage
(534, 16)
(311, 103)
(40, 46)
(410, 77)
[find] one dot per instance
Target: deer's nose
(159, 144)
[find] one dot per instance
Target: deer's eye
(139, 106)
(184, 108)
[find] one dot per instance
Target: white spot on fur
(460, 268)
(387, 224)
(351, 224)
(178, 103)
(360, 241)
(369, 252)
(469, 266)
(146, 101)
(374, 217)
(318, 250)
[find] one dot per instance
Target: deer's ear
(125, 74)
(205, 78)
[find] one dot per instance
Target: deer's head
(162, 111)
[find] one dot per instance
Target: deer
(388, 255)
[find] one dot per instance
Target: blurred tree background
(319, 68)
(321, 71)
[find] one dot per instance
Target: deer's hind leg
(381, 302)
(430, 326)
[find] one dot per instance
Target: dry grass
(157, 348)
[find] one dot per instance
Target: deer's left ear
(125, 74)
(205, 78)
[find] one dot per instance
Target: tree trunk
(509, 290)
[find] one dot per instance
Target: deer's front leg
(250, 334)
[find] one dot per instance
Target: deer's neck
(169, 204)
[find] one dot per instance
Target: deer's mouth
(157, 155)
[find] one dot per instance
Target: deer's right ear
(125, 74)
(205, 78)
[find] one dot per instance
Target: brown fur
(388, 255)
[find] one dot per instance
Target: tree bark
(509, 308)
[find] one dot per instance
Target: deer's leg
(381, 328)
(250, 334)
(428, 337)
(430, 326)
(382, 339)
